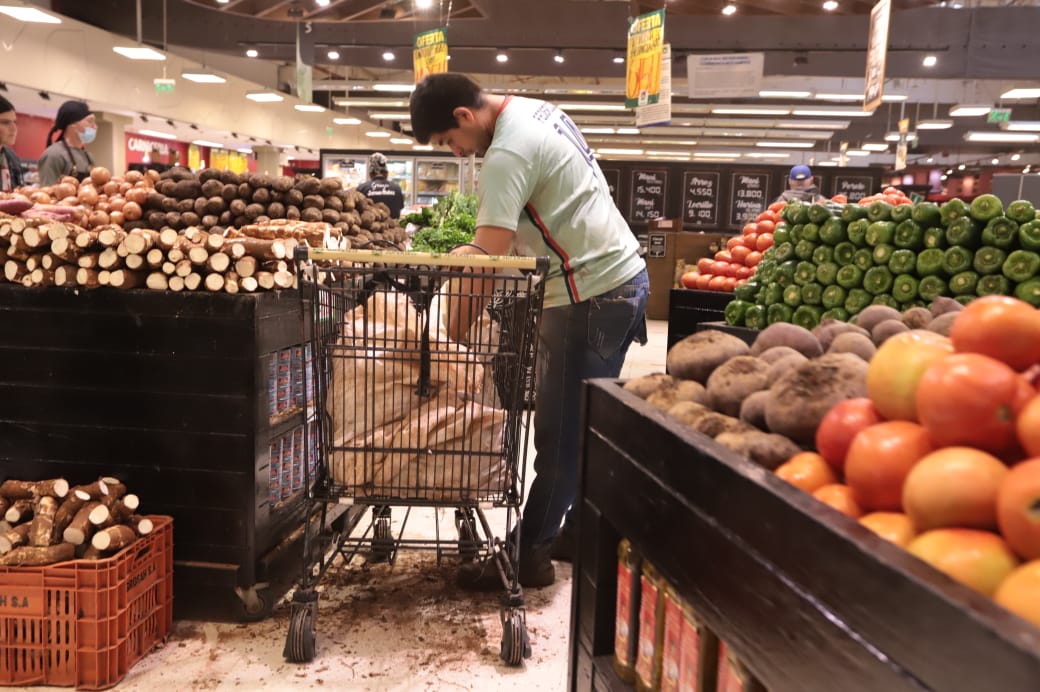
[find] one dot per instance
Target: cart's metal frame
(333, 285)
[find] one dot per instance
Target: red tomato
(764, 242)
(689, 279)
(731, 283)
(879, 459)
(777, 206)
(750, 228)
(840, 199)
(1028, 427)
(766, 226)
(741, 282)
(1001, 327)
(971, 400)
(704, 265)
(751, 240)
(718, 268)
(891, 191)
(734, 241)
(723, 256)
(740, 254)
(703, 281)
(744, 272)
(717, 283)
(753, 259)
(840, 425)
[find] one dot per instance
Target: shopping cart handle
(539, 264)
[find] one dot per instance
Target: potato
(184, 205)
(327, 186)
(294, 198)
(311, 214)
(713, 424)
(165, 203)
(771, 355)
(213, 205)
(697, 356)
(208, 174)
(211, 187)
(259, 180)
(245, 191)
(827, 334)
(784, 366)
(225, 218)
(786, 334)
(730, 383)
(943, 323)
(282, 183)
(187, 189)
(856, 344)
(292, 213)
(315, 201)
(276, 210)
(155, 219)
(200, 206)
(254, 210)
(768, 450)
(262, 196)
(229, 193)
(230, 178)
(871, 315)
(308, 185)
(330, 215)
(239, 221)
(190, 218)
(688, 412)
(333, 202)
(237, 207)
(209, 221)
(800, 399)
(917, 318)
(646, 385)
(667, 396)
(886, 329)
(944, 304)
(174, 220)
(753, 409)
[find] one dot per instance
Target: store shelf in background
(808, 598)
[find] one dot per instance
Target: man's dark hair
(435, 99)
(5, 105)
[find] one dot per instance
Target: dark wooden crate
(688, 307)
(807, 597)
(744, 333)
(169, 392)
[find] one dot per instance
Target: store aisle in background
(406, 627)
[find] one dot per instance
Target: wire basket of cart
(421, 383)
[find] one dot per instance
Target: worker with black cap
(379, 189)
(68, 155)
(801, 186)
(10, 164)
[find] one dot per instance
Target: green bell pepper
(837, 313)
(793, 296)
(811, 231)
(903, 307)
(796, 233)
(853, 212)
(863, 258)
(952, 210)
(818, 213)
(1000, 232)
(993, 285)
(826, 273)
(807, 316)
(909, 235)
(957, 259)
(964, 300)
(764, 274)
(784, 252)
(812, 293)
(779, 312)
(772, 294)
(857, 300)
(857, 232)
(902, 212)
(833, 231)
(843, 253)
(882, 254)
(885, 299)
(904, 288)
(735, 311)
(902, 261)
(1020, 211)
(824, 253)
(849, 276)
(934, 236)
(1021, 265)
(755, 317)
(749, 291)
(986, 207)
(833, 297)
(988, 260)
(801, 214)
(880, 232)
(1029, 291)
(790, 211)
(926, 214)
(931, 287)
(877, 280)
(964, 284)
(1029, 235)
(929, 262)
(879, 211)
(964, 231)
(782, 234)
(804, 273)
(804, 249)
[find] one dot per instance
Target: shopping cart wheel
(300, 642)
(382, 540)
(467, 529)
(516, 645)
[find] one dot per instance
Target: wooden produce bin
(170, 393)
(668, 244)
(809, 599)
(688, 308)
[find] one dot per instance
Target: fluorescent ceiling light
(398, 88)
(837, 110)
(935, 124)
(157, 134)
(598, 130)
(28, 14)
(333, 55)
(969, 110)
(767, 155)
(628, 130)
(729, 9)
(309, 108)
(858, 97)
(346, 121)
(252, 53)
(655, 152)
(244, 151)
(422, 147)
(779, 94)
(377, 133)
(857, 152)
(812, 124)
(1022, 126)
(322, 3)
(401, 140)
(502, 56)
(713, 154)
(930, 61)
(592, 106)
(204, 143)
(621, 152)
(875, 146)
(264, 97)
(728, 157)
(1001, 137)
(894, 136)
(139, 53)
(388, 56)
(673, 142)
(750, 110)
(830, 5)
(786, 145)
(618, 59)
(203, 77)
(371, 103)
(1021, 94)
(827, 164)
(424, 4)
(1016, 157)
(400, 115)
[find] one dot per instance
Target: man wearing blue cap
(801, 186)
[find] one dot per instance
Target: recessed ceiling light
(252, 53)
(618, 59)
(309, 108)
(786, 145)
(139, 53)
(930, 61)
(388, 56)
(994, 161)
(944, 176)
(969, 110)
(396, 88)
(935, 124)
(264, 97)
(1016, 157)
(1001, 137)
(28, 14)
(930, 159)
(558, 58)
(729, 9)
(1021, 94)
(961, 167)
(333, 55)
(203, 77)
(830, 5)
(157, 134)
(346, 121)
(501, 56)
(322, 3)
(204, 143)
(377, 133)
(424, 4)
(875, 146)
(780, 94)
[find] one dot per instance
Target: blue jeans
(576, 342)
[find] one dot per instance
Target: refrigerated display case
(435, 178)
(400, 172)
(353, 170)
(471, 175)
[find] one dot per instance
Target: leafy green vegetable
(451, 221)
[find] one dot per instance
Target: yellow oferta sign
(643, 65)
(430, 53)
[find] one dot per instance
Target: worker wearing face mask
(76, 128)
(10, 165)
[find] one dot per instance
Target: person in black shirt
(379, 189)
(10, 165)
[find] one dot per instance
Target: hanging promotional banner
(659, 113)
(430, 53)
(877, 53)
(643, 62)
(724, 75)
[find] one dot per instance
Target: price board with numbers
(700, 198)
(649, 191)
(749, 197)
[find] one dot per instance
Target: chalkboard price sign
(700, 198)
(748, 197)
(855, 187)
(648, 195)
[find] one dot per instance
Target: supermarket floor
(405, 627)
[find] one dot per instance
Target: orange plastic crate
(86, 622)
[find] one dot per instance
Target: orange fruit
(808, 471)
(1020, 592)
(1018, 508)
(840, 498)
(879, 459)
(979, 559)
(892, 526)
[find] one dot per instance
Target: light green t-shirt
(539, 178)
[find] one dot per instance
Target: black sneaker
(481, 576)
(536, 567)
(565, 545)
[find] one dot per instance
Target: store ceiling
(980, 51)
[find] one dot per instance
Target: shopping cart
(410, 411)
